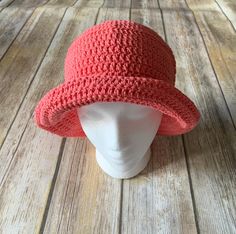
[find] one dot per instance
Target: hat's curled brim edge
(56, 111)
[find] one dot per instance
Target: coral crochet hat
(117, 60)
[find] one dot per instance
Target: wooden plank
(201, 5)
(112, 13)
(5, 3)
(28, 3)
(12, 19)
(24, 192)
(211, 146)
(90, 3)
(158, 200)
(29, 155)
(226, 7)
(117, 4)
(174, 5)
(35, 3)
(85, 199)
(61, 3)
(140, 4)
(18, 66)
(220, 37)
(229, 9)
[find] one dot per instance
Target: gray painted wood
(210, 147)
(54, 185)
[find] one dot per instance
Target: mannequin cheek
(96, 131)
(143, 127)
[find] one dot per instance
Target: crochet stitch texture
(117, 60)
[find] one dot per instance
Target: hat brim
(56, 112)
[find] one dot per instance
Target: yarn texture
(117, 60)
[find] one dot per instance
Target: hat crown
(120, 48)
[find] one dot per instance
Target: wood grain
(28, 156)
(18, 66)
(61, 3)
(12, 20)
(211, 146)
(27, 3)
(229, 9)
(4, 4)
(117, 4)
(201, 5)
(220, 40)
(25, 190)
(91, 4)
(144, 4)
(174, 5)
(50, 184)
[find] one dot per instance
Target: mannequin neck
(123, 168)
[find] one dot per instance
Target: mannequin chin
(122, 134)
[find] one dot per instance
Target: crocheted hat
(117, 60)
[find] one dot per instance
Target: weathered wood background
(50, 184)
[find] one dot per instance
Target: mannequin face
(119, 129)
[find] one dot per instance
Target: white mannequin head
(122, 134)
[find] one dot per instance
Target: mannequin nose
(117, 133)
